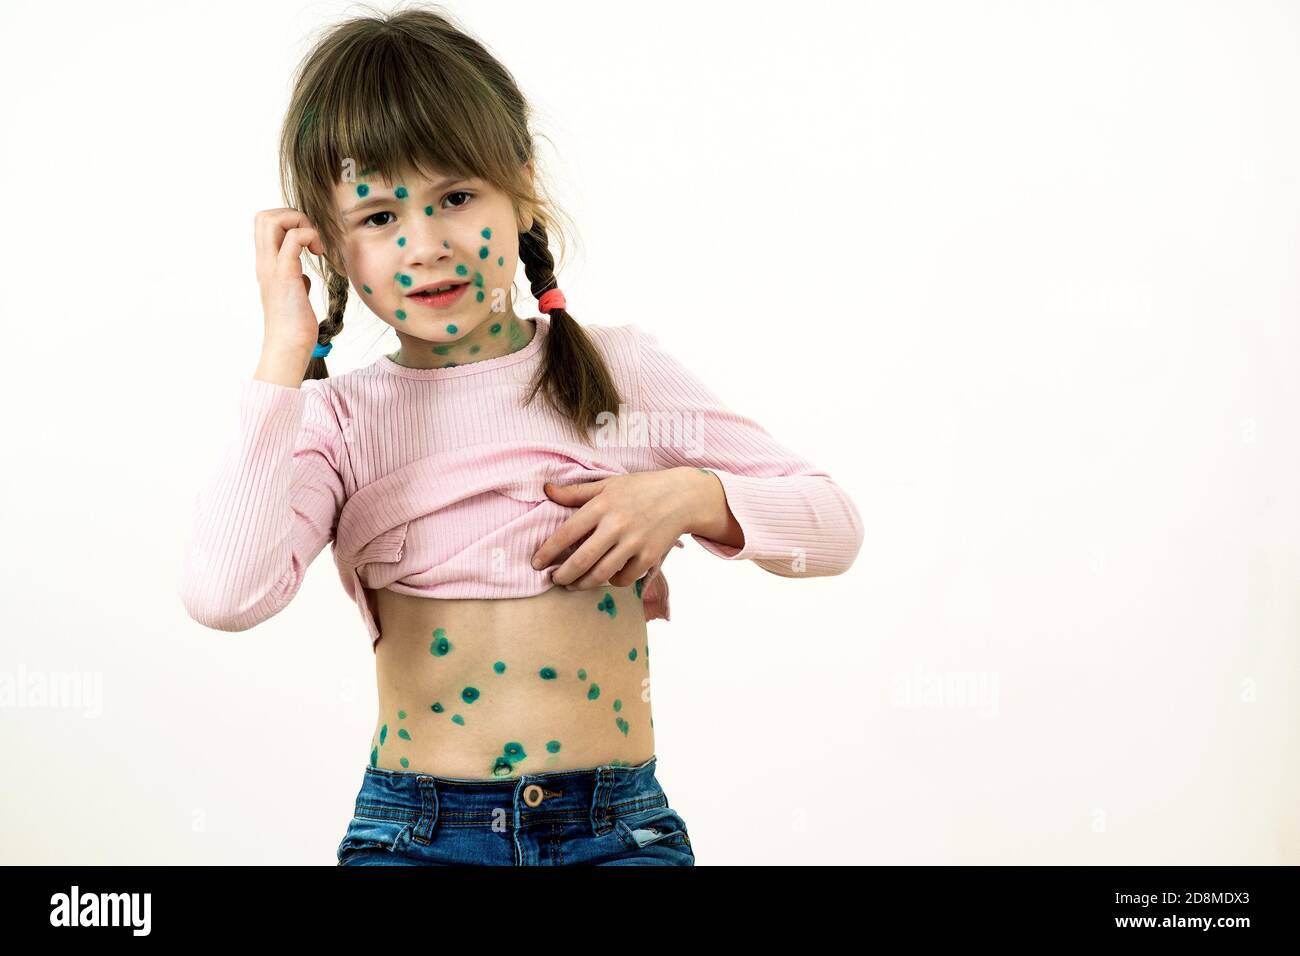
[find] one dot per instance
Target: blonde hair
(410, 90)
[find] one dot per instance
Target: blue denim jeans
(607, 815)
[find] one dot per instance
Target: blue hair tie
(320, 351)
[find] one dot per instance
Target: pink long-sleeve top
(430, 482)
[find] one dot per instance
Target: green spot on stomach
(553, 746)
(405, 763)
(593, 692)
(547, 673)
(469, 694)
(458, 719)
(403, 733)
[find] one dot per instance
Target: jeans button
(532, 795)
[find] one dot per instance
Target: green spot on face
(367, 290)
(483, 252)
(440, 645)
(404, 279)
(622, 725)
(514, 750)
(374, 756)
(403, 733)
(478, 296)
(486, 233)
(553, 746)
(401, 314)
(582, 673)
(499, 667)
(631, 655)
(400, 192)
(401, 240)
(547, 673)
(478, 279)
(405, 763)
(462, 271)
(593, 692)
(436, 708)
(458, 719)
(618, 704)
(401, 715)
(607, 605)
(383, 734)
(441, 349)
(501, 260)
(494, 328)
(428, 210)
(363, 190)
(469, 695)
(452, 330)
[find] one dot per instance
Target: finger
(269, 229)
(289, 262)
(579, 523)
(583, 559)
(607, 568)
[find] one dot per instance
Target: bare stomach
(491, 689)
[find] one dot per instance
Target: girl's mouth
(440, 300)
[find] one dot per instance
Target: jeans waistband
(596, 795)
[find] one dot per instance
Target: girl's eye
(460, 192)
(366, 221)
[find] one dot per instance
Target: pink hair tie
(551, 299)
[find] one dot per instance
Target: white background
(1020, 276)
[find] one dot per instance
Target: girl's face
(405, 235)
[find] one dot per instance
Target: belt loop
(425, 826)
(600, 797)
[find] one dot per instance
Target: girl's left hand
(634, 521)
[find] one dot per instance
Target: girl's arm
(269, 509)
(795, 521)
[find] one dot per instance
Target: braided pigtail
(337, 284)
(574, 377)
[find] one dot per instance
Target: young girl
(505, 553)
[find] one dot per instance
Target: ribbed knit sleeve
(268, 510)
(796, 521)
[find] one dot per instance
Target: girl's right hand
(281, 235)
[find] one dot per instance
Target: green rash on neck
(367, 290)
(495, 329)
(441, 350)
(547, 673)
(593, 692)
(638, 586)
(473, 350)
(499, 667)
(607, 605)
(553, 746)
(401, 715)
(440, 646)
(618, 705)
(469, 695)
(501, 260)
